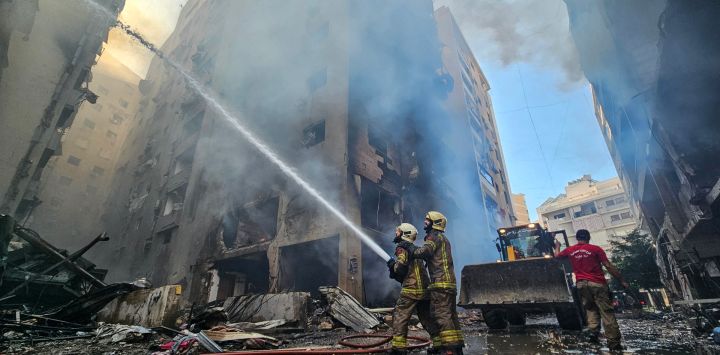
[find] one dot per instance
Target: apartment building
(655, 91)
(601, 207)
(350, 94)
(469, 101)
(521, 211)
(75, 184)
(46, 51)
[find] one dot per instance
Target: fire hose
(369, 348)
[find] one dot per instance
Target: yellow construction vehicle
(525, 279)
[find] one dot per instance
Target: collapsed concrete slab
(347, 310)
(148, 308)
(289, 306)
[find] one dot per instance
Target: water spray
(234, 122)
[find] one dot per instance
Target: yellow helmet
(437, 219)
(408, 232)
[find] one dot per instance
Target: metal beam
(700, 301)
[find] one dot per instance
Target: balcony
(178, 180)
(168, 222)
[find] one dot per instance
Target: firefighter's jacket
(411, 273)
(438, 255)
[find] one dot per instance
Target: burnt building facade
(655, 84)
(75, 183)
(349, 93)
(47, 49)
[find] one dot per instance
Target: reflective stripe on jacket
(438, 254)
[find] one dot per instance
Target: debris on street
(39, 275)
(347, 310)
(115, 333)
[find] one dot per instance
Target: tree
(634, 256)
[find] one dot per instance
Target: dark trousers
(596, 301)
(404, 309)
(444, 311)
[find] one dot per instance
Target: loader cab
(527, 241)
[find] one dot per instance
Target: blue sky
(570, 142)
(525, 49)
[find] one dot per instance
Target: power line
(531, 107)
(532, 122)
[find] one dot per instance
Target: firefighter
(411, 273)
(437, 254)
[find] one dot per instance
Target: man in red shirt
(587, 261)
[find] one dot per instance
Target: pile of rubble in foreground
(251, 322)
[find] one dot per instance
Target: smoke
(286, 66)
(511, 31)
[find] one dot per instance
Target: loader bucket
(527, 281)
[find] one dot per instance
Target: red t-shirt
(586, 262)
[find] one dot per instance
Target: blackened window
(614, 218)
(65, 116)
(73, 160)
(314, 134)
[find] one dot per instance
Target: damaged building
(46, 51)
(76, 183)
(654, 73)
(384, 135)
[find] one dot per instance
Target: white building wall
(600, 207)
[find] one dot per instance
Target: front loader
(525, 279)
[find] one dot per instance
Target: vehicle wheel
(516, 318)
(495, 319)
(569, 317)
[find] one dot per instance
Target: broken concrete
(347, 310)
(148, 308)
(290, 306)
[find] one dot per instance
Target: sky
(155, 19)
(541, 100)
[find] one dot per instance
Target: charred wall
(653, 83)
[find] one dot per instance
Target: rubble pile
(251, 322)
(38, 276)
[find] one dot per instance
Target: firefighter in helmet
(411, 273)
(437, 254)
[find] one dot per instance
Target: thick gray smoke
(510, 31)
(285, 66)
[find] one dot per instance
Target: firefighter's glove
(391, 263)
(410, 247)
